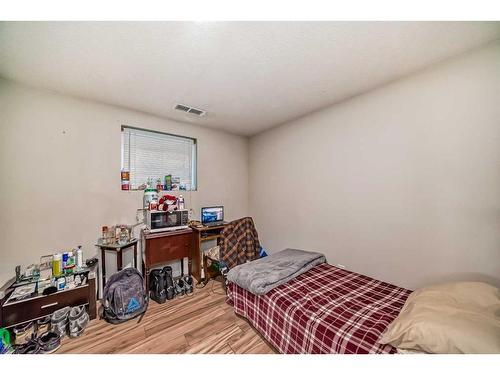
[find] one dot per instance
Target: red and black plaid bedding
(324, 310)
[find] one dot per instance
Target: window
(153, 155)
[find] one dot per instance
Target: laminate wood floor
(201, 323)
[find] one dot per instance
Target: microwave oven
(160, 221)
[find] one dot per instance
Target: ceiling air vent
(187, 109)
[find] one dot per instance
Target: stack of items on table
(120, 234)
(54, 273)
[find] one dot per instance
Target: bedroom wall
(60, 172)
(401, 183)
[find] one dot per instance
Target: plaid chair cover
(240, 242)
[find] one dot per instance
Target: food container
(61, 283)
(57, 264)
(153, 205)
(149, 196)
(125, 176)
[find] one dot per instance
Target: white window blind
(149, 154)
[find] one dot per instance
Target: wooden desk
(201, 235)
(163, 247)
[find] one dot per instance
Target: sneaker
(24, 333)
(31, 347)
(42, 325)
(59, 321)
(179, 288)
(49, 342)
(78, 320)
(169, 282)
(188, 285)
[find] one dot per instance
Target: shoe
(59, 321)
(42, 325)
(49, 342)
(188, 285)
(31, 347)
(24, 333)
(78, 320)
(179, 288)
(169, 282)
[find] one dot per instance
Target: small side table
(118, 249)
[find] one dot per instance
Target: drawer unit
(16, 312)
(24, 311)
(159, 249)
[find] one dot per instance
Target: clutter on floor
(29, 302)
(44, 335)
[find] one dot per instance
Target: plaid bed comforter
(324, 310)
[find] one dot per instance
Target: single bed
(324, 310)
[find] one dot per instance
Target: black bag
(124, 297)
(169, 282)
(161, 285)
(157, 290)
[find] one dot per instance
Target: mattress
(324, 310)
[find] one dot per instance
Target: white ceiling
(248, 76)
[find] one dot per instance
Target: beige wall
(60, 172)
(401, 183)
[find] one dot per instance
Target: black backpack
(161, 286)
(124, 297)
(157, 290)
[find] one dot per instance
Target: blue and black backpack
(124, 297)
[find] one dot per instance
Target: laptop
(212, 216)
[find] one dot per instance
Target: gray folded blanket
(262, 275)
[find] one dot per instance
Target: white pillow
(462, 317)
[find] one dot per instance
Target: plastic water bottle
(180, 202)
(79, 257)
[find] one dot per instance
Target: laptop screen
(211, 214)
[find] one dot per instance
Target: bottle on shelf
(159, 185)
(180, 202)
(79, 257)
(150, 194)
